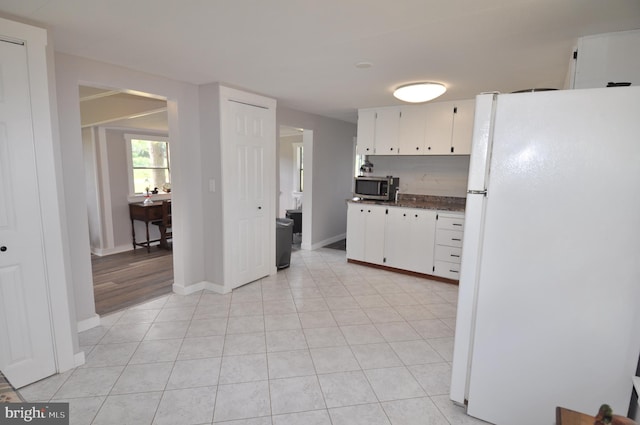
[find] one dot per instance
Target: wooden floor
(128, 278)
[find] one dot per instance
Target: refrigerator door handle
(477, 192)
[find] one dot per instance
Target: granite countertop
(428, 202)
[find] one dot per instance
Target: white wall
(440, 175)
(211, 188)
(182, 104)
(332, 170)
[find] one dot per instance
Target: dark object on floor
(341, 245)
(296, 216)
(284, 236)
(8, 394)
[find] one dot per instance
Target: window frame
(130, 168)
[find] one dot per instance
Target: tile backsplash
(426, 175)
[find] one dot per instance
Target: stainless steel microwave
(378, 188)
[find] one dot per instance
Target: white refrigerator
(549, 295)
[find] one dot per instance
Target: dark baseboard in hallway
(341, 245)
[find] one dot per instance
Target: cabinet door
(607, 57)
(447, 270)
(422, 240)
(387, 129)
(374, 232)
(410, 239)
(439, 127)
(412, 127)
(355, 231)
(366, 132)
(397, 233)
(462, 127)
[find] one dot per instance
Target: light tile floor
(323, 342)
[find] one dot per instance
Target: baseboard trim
(217, 288)
(89, 323)
(187, 290)
(401, 271)
(204, 285)
(109, 251)
(328, 241)
(78, 359)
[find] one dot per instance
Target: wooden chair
(164, 225)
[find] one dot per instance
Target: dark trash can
(284, 236)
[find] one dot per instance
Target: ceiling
(303, 53)
(117, 109)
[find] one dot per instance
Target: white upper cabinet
(603, 58)
(387, 129)
(462, 127)
(366, 132)
(439, 125)
(442, 128)
(412, 127)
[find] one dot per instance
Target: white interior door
(251, 142)
(26, 343)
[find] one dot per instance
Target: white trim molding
(89, 323)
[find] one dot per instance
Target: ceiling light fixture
(363, 64)
(419, 92)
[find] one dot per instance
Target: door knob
(3, 248)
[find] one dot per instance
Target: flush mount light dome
(419, 92)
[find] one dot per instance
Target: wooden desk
(571, 417)
(145, 213)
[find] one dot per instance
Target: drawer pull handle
(456, 239)
(454, 271)
(454, 255)
(457, 224)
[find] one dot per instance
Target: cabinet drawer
(449, 238)
(447, 269)
(450, 223)
(448, 253)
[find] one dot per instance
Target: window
(148, 158)
(360, 159)
(298, 176)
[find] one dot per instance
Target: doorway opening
(127, 160)
(295, 147)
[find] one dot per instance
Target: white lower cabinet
(365, 232)
(409, 235)
(448, 246)
(413, 239)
